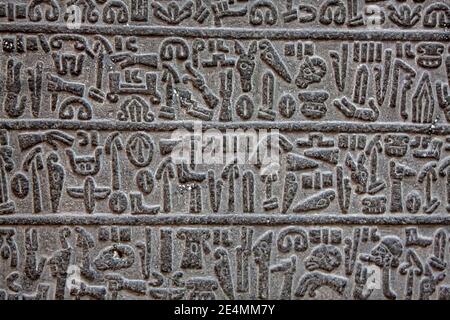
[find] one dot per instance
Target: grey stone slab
(224, 149)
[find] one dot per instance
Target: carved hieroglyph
(93, 204)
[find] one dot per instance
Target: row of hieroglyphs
(223, 262)
(155, 80)
(253, 13)
(138, 173)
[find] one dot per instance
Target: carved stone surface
(97, 96)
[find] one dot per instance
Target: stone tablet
(224, 149)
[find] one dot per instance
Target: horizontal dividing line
(232, 33)
(221, 220)
(295, 126)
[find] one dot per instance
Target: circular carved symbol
(20, 185)
(118, 202)
(145, 181)
(140, 149)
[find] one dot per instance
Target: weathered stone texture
(355, 94)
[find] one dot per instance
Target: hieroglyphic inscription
(314, 140)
